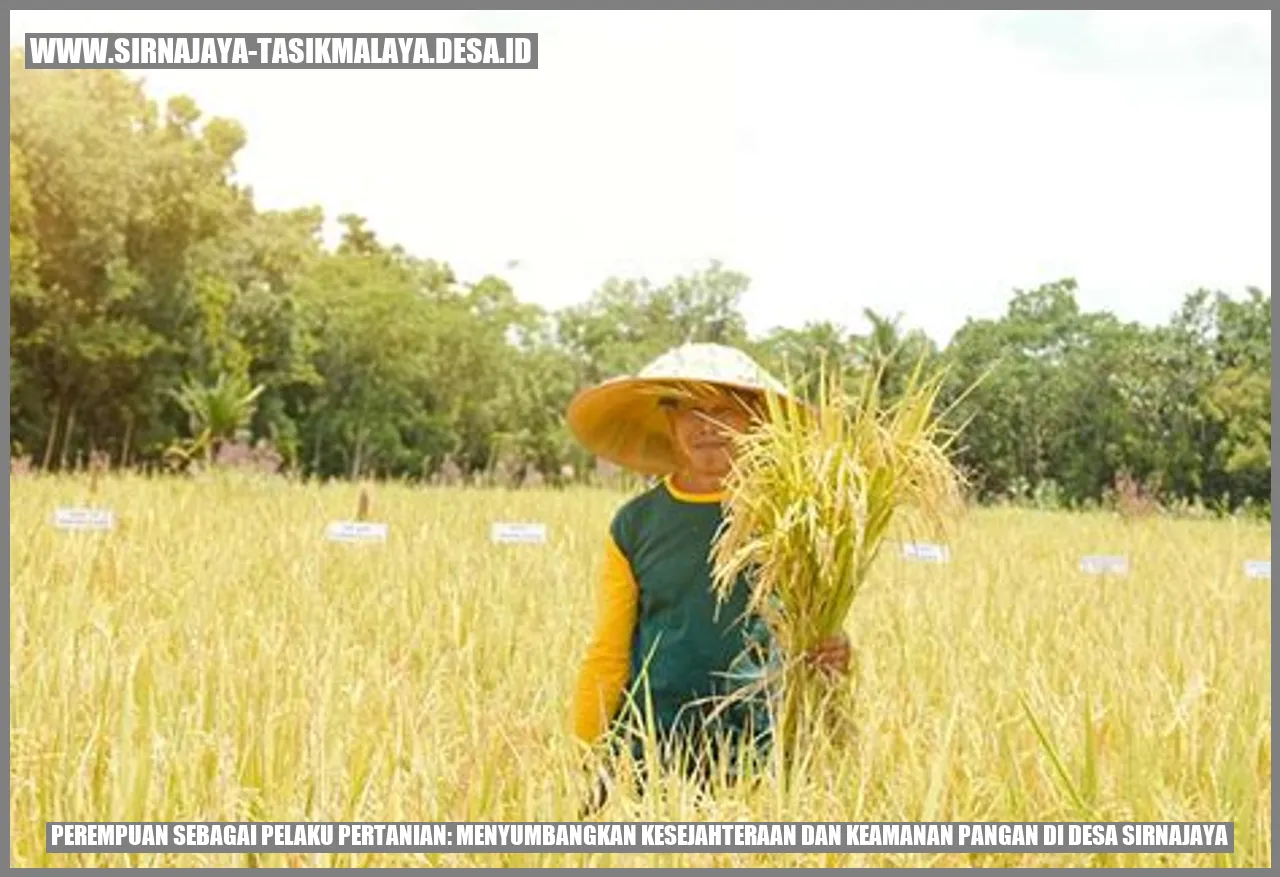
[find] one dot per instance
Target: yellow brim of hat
(623, 420)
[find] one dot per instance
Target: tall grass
(215, 659)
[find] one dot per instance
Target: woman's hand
(832, 655)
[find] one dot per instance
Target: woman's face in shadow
(703, 430)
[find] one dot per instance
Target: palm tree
(880, 346)
(217, 412)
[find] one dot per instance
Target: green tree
(122, 202)
(372, 334)
(626, 323)
(803, 354)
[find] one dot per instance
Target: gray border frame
(655, 5)
(570, 5)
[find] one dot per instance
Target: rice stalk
(253, 638)
(812, 494)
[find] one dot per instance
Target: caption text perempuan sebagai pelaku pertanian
(625, 835)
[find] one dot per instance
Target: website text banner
(104, 51)
(640, 837)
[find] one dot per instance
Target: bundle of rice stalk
(812, 494)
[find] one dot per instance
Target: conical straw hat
(622, 420)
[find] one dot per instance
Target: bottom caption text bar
(640, 837)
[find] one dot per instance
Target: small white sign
(1100, 564)
(1257, 569)
(519, 534)
(926, 551)
(356, 531)
(84, 519)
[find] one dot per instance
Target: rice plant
(812, 495)
(214, 658)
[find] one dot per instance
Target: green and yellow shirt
(662, 635)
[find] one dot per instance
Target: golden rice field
(215, 659)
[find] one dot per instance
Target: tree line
(158, 318)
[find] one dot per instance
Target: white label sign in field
(1257, 569)
(357, 531)
(1099, 564)
(84, 519)
(518, 533)
(926, 551)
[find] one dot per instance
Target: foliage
(221, 408)
(137, 263)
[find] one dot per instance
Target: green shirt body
(689, 650)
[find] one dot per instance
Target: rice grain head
(814, 491)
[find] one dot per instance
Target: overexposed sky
(924, 163)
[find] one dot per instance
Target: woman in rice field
(663, 645)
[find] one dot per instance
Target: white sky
(923, 163)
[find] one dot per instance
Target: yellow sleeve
(602, 678)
